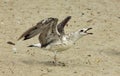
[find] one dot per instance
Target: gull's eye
(81, 30)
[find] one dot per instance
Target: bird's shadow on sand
(47, 63)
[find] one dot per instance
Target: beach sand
(93, 55)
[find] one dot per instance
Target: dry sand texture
(96, 55)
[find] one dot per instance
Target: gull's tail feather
(11, 43)
(13, 46)
(35, 45)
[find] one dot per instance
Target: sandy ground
(96, 55)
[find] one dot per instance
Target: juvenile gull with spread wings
(52, 36)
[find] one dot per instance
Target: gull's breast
(59, 46)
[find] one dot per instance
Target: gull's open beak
(88, 30)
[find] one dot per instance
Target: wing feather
(37, 29)
(50, 34)
(30, 33)
(48, 29)
(62, 24)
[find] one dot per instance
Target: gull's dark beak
(88, 30)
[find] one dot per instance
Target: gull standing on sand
(52, 36)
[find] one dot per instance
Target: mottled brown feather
(48, 29)
(62, 24)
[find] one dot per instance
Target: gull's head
(49, 21)
(84, 31)
(80, 33)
